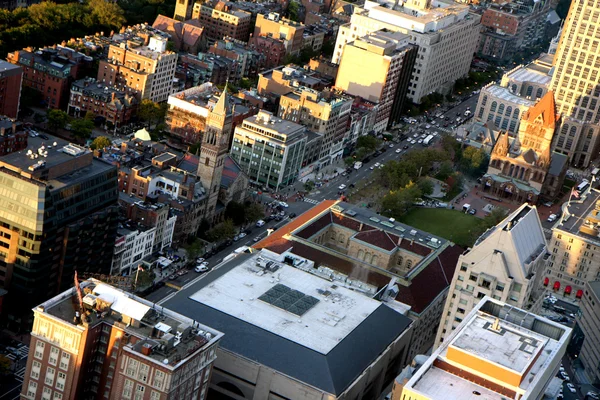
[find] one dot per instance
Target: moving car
(398, 151)
(342, 187)
(571, 388)
(552, 217)
(283, 204)
(260, 223)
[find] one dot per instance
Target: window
(131, 367)
(486, 284)
(154, 395)
(516, 287)
(31, 389)
(57, 396)
(159, 379)
(39, 349)
(473, 277)
(143, 373)
(127, 388)
(461, 278)
(53, 359)
(60, 382)
(64, 361)
(463, 267)
(47, 394)
(50, 376)
(460, 310)
(470, 288)
(500, 287)
(457, 319)
(139, 393)
(35, 370)
(464, 302)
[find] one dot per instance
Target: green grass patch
(463, 229)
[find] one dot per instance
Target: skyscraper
(576, 84)
(57, 213)
(215, 145)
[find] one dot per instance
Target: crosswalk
(312, 201)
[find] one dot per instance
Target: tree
(397, 203)
(309, 186)
(348, 161)
(254, 212)
(151, 112)
(106, 13)
(57, 119)
(144, 279)
(235, 212)
(101, 142)
(224, 230)
(82, 128)
(368, 142)
(425, 186)
(294, 11)
(494, 217)
(446, 169)
(194, 249)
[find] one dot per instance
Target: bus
(583, 186)
(427, 141)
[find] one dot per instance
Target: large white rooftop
(319, 320)
(525, 74)
(439, 384)
(503, 93)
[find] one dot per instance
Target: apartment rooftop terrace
(165, 336)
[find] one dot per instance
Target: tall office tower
(214, 148)
(58, 214)
(503, 264)
(97, 342)
(183, 10)
(576, 84)
(446, 33)
(378, 68)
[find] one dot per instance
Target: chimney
(399, 241)
(360, 227)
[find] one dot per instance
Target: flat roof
(332, 372)
(512, 347)
(241, 294)
(577, 212)
(504, 94)
(439, 384)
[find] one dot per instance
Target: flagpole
(136, 276)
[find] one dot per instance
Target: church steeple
(222, 105)
(502, 145)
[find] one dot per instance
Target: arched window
(573, 131)
(514, 88)
(516, 114)
(483, 101)
(332, 235)
(501, 109)
(374, 259)
(368, 257)
(400, 261)
(538, 93)
(529, 91)
(361, 255)
(493, 107)
(341, 238)
(508, 111)
(564, 130)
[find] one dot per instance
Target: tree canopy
(82, 128)
(101, 142)
(57, 119)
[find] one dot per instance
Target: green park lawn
(462, 229)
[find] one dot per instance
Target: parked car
(292, 215)
(260, 223)
(564, 376)
(283, 204)
(242, 235)
(472, 211)
(342, 187)
(201, 268)
(571, 388)
(398, 151)
(552, 218)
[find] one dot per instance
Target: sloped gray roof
(557, 163)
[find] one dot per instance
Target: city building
(381, 258)
(504, 263)
(291, 32)
(196, 70)
(526, 169)
(511, 26)
(139, 63)
(12, 136)
(313, 37)
(50, 71)
(326, 112)
(247, 60)
(189, 112)
(112, 106)
(481, 135)
(284, 79)
(378, 67)
(269, 150)
(588, 321)
(94, 341)
(363, 116)
(11, 78)
(574, 247)
(519, 89)
(446, 34)
(323, 66)
(499, 351)
(575, 85)
(154, 215)
(59, 214)
(132, 245)
(234, 183)
(289, 332)
(272, 49)
(220, 20)
(187, 36)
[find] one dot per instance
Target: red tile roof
(315, 227)
(349, 222)
(431, 281)
(415, 247)
(295, 223)
(379, 238)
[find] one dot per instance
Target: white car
(427, 126)
(552, 217)
(565, 377)
(377, 165)
(398, 151)
(283, 204)
(201, 268)
(571, 388)
(260, 223)
(342, 187)
(391, 145)
(420, 141)
(372, 167)
(242, 235)
(416, 135)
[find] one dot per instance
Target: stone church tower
(214, 148)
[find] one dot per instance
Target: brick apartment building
(116, 107)
(273, 25)
(271, 48)
(11, 77)
(220, 20)
(51, 71)
(12, 137)
(95, 341)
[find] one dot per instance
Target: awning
(579, 294)
(556, 285)
(546, 281)
(568, 289)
